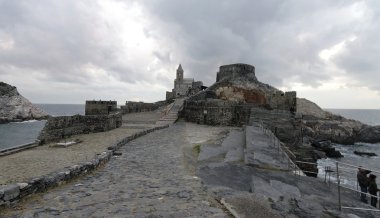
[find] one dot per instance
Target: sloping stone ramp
(258, 183)
(171, 115)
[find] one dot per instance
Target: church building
(182, 86)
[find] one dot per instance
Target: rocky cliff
(322, 125)
(14, 107)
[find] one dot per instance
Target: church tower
(179, 73)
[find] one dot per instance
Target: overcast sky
(68, 51)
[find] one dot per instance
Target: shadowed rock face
(369, 134)
(14, 107)
(7, 90)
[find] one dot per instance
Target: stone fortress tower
(236, 97)
(183, 86)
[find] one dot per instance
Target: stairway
(171, 115)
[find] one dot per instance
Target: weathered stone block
(50, 181)
(60, 177)
(11, 192)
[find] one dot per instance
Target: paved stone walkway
(149, 180)
(45, 159)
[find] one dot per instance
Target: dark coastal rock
(337, 131)
(323, 125)
(369, 134)
(14, 107)
(362, 153)
(326, 147)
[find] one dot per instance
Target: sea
(349, 163)
(18, 133)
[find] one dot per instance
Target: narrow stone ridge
(14, 107)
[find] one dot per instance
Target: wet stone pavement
(149, 179)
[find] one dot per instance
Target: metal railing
(339, 174)
(329, 171)
(282, 150)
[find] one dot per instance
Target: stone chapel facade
(183, 86)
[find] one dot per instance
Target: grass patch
(197, 149)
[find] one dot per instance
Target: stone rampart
(60, 127)
(136, 107)
(283, 101)
(100, 107)
(234, 71)
(216, 112)
(284, 124)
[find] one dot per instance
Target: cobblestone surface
(45, 159)
(149, 179)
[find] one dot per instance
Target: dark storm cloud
(281, 38)
(75, 41)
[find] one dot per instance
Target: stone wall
(136, 107)
(233, 71)
(284, 124)
(216, 112)
(57, 128)
(100, 107)
(170, 95)
(283, 101)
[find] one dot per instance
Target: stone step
(171, 115)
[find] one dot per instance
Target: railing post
(338, 181)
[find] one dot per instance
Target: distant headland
(14, 107)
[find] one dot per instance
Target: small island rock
(14, 107)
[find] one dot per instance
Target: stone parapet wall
(216, 112)
(57, 128)
(100, 107)
(283, 100)
(170, 95)
(136, 107)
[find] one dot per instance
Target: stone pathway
(149, 179)
(172, 115)
(42, 160)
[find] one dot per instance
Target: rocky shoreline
(322, 129)
(321, 125)
(16, 108)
